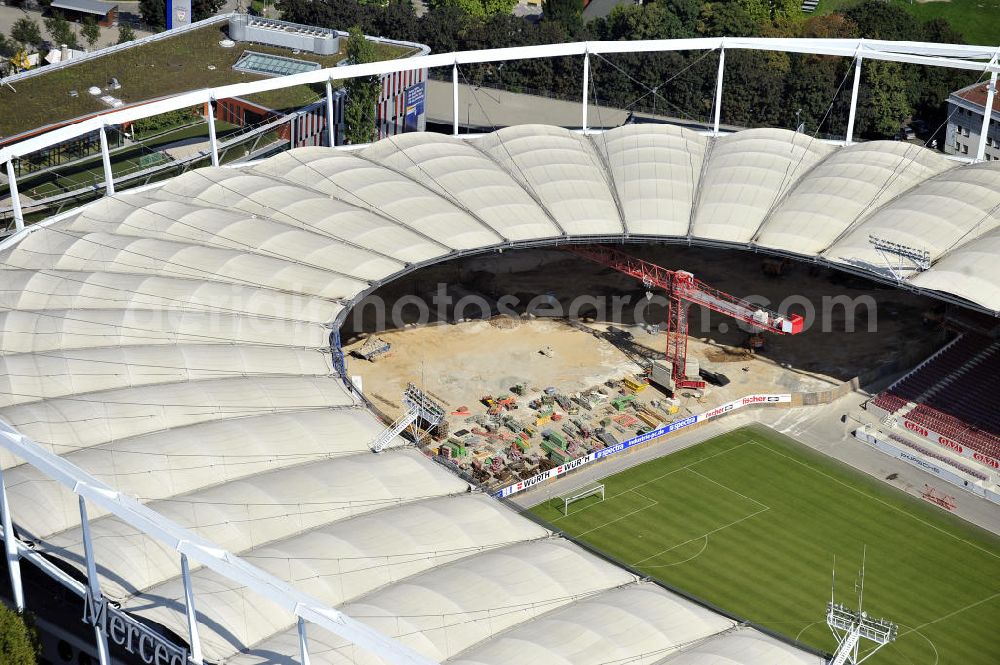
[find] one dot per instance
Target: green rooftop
(188, 61)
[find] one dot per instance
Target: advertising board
(749, 400)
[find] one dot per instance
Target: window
(965, 150)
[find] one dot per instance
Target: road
(486, 108)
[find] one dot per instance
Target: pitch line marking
(950, 614)
(705, 536)
(798, 637)
(878, 500)
(651, 480)
(727, 488)
(937, 656)
(618, 519)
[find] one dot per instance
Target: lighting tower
(897, 255)
(418, 407)
(849, 627)
(682, 290)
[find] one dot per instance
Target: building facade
(965, 123)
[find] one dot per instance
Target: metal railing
(190, 546)
(975, 58)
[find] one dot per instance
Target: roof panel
(844, 188)
(655, 170)
(460, 173)
(562, 171)
(745, 175)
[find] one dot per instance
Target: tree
(651, 21)
(479, 8)
(61, 31)
(725, 19)
(125, 34)
(7, 47)
(202, 9)
(18, 640)
(362, 92)
(882, 20)
(90, 31)
(26, 32)
(686, 10)
(567, 13)
(765, 11)
(154, 12)
(882, 99)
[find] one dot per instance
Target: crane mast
(683, 289)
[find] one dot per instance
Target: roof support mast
(682, 290)
(991, 89)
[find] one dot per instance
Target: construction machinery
(683, 289)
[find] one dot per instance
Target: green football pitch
(752, 522)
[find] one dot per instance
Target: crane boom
(683, 289)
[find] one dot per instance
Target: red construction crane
(682, 290)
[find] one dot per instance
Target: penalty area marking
(651, 480)
(618, 519)
(763, 509)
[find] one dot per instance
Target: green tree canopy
(883, 20)
(477, 8)
(362, 92)
(566, 13)
(125, 34)
(8, 47)
(26, 32)
(61, 30)
(91, 31)
(883, 105)
(18, 641)
(765, 11)
(652, 21)
(726, 18)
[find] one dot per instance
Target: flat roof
(85, 6)
(155, 67)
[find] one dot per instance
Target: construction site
(532, 388)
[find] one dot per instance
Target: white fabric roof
(637, 623)
(739, 647)
(175, 343)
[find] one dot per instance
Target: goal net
(581, 493)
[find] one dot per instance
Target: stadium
(188, 455)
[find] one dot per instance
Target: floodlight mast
(683, 289)
(850, 627)
(897, 255)
(418, 406)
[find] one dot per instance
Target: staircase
(846, 648)
(391, 432)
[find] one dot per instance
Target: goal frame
(579, 493)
